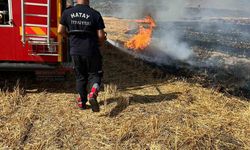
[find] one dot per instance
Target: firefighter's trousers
(88, 71)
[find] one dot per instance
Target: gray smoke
(172, 46)
(223, 4)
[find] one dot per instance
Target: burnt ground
(227, 74)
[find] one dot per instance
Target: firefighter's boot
(93, 98)
(81, 104)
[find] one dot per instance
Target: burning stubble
(144, 37)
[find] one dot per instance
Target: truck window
(4, 12)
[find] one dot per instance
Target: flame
(144, 36)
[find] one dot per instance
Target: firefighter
(85, 28)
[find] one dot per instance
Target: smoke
(225, 4)
(175, 9)
(171, 10)
(173, 47)
(170, 39)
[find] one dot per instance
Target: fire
(144, 36)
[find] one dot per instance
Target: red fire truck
(28, 35)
